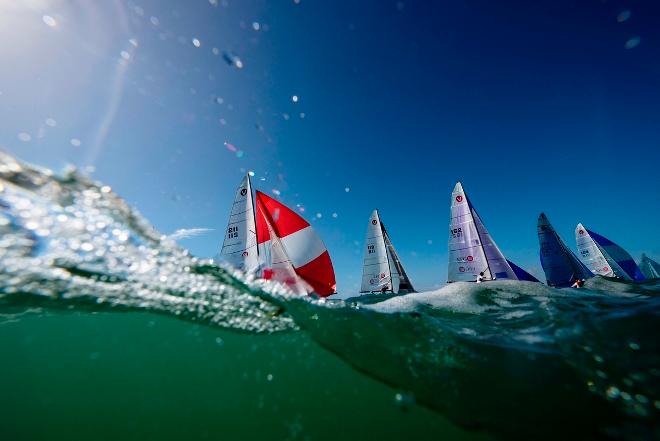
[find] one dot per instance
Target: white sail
(239, 248)
(376, 272)
(466, 254)
(590, 253)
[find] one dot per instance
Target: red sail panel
(302, 246)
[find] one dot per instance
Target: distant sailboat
(649, 267)
(604, 257)
(290, 249)
(471, 248)
(382, 270)
(239, 248)
(560, 265)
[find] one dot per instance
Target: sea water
(111, 331)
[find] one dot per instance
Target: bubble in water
(347, 189)
(250, 173)
(215, 51)
(302, 115)
(25, 137)
(50, 122)
(125, 55)
(196, 42)
(240, 153)
(219, 341)
(219, 100)
(138, 10)
(335, 215)
(623, 16)
(269, 377)
(223, 121)
(430, 242)
(256, 26)
(154, 20)
(633, 42)
(133, 42)
(404, 401)
(319, 215)
(276, 192)
(50, 21)
(213, 2)
(76, 142)
(286, 116)
(294, 98)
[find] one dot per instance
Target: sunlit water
(90, 294)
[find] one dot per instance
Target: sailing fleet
(268, 239)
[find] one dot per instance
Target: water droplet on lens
(633, 42)
(623, 16)
(50, 21)
(25, 137)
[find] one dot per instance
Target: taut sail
(649, 267)
(382, 270)
(604, 257)
(239, 247)
(472, 250)
(287, 241)
(560, 265)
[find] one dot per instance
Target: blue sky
(535, 106)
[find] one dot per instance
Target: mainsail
(560, 265)
(382, 269)
(239, 248)
(471, 248)
(604, 257)
(287, 241)
(649, 267)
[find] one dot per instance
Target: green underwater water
(83, 375)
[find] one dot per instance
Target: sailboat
(268, 238)
(472, 250)
(604, 257)
(382, 270)
(560, 265)
(291, 250)
(649, 267)
(239, 248)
